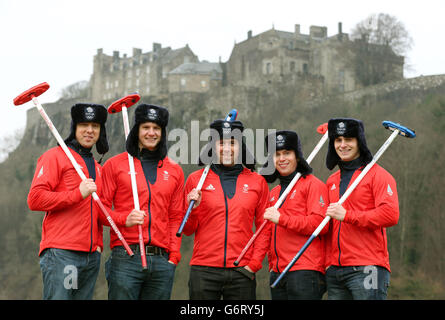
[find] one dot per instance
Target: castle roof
(205, 67)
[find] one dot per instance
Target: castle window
(129, 74)
(305, 68)
(203, 84)
(292, 66)
(137, 72)
(116, 83)
(268, 68)
(148, 69)
(183, 82)
(341, 75)
(341, 87)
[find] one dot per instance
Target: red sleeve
(316, 204)
(386, 204)
(42, 194)
(262, 242)
(176, 211)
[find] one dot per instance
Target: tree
(9, 142)
(75, 90)
(381, 41)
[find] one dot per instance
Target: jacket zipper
(91, 223)
(149, 213)
(275, 247)
(226, 229)
(275, 236)
(91, 210)
(338, 244)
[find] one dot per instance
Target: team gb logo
(89, 113)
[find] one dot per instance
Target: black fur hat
(346, 127)
(89, 112)
(223, 129)
(148, 113)
(288, 140)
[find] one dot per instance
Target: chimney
(297, 30)
(136, 52)
(249, 34)
(156, 47)
(115, 55)
(340, 32)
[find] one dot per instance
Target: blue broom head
(403, 131)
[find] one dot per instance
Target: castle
(273, 57)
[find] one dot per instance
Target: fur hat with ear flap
(148, 113)
(287, 140)
(350, 128)
(89, 112)
(222, 129)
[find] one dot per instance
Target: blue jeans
(358, 283)
(298, 285)
(213, 283)
(127, 281)
(69, 275)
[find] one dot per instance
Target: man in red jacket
(71, 232)
(298, 216)
(160, 183)
(357, 258)
(232, 198)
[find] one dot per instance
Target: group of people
(349, 259)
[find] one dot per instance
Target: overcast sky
(55, 41)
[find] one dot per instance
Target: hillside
(415, 244)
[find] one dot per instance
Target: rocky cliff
(415, 243)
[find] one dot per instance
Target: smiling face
(227, 151)
(285, 161)
(150, 135)
(87, 133)
(347, 148)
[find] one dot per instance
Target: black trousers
(211, 283)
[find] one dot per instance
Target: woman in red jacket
(298, 216)
(232, 198)
(160, 183)
(71, 232)
(357, 257)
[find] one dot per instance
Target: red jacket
(70, 222)
(360, 239)
(300, 214)
(223, 226)
(161, 201)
